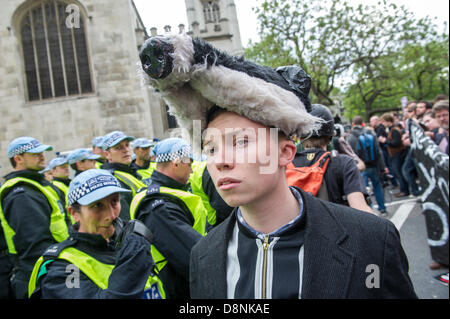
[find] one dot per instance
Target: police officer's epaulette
(54, 250)
(151, 192)
(158, 198)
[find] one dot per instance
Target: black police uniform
(173, 235)
(133, 264)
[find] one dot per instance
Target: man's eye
(241, 142)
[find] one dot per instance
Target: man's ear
(73, 213)
(107, 155)
(287, 151)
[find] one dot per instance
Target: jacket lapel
(215, 259)
(328, 265)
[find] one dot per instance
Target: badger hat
(193, 76)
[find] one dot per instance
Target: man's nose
(223, 160)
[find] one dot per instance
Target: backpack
(367, 148)
(310, 178)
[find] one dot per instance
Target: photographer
(98, 260)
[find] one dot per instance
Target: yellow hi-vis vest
(193, 203)
(196, 183)
(95, 270)
(58, 226)
(147, 172)
(133, 183)
(65, 189)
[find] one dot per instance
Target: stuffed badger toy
(193, 76)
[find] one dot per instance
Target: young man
(31, 210)
(373, 165)
(89, 264)
(343, 182)
(97, 149)
(279, 242)
(60, 172)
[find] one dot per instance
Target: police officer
(98, 150)
(176, 217)
(342, 183)
(82, 159)
(142, 163)
(99, 261)
(118, 153)
(31, 211)
(60, 172)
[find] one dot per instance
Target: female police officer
(89, 264)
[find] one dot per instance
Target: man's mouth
(227, 183)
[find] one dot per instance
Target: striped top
(266, 265)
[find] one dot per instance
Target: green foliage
(383, 50)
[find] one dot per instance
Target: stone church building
(68, 69)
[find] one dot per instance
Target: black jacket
(132, 266)
(173, 236)
(341, 246)
(28, 213)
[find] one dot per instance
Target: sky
(158, 13)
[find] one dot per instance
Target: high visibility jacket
(132, 182)
(58, 226)
(98, 165)
(65, 189)
(95, 270)
(196, 182)
(192, 204)
(147, 172)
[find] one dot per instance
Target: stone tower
(215, 21)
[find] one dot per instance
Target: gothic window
(211, 11)
(55, 56)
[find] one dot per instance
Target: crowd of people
(393, 162)
(140, 218)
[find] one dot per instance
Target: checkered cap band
(91, 185)
(109, 140)
(186, 151)
(23, 148)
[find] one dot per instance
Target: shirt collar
(278, 231)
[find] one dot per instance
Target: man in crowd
(367, 148)
(421, 108)
(397, 152)
(441, 112)
(82, 159)
(143, 164)
(380, 130)
(31, 212)
(117, 150)
(343, 183)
